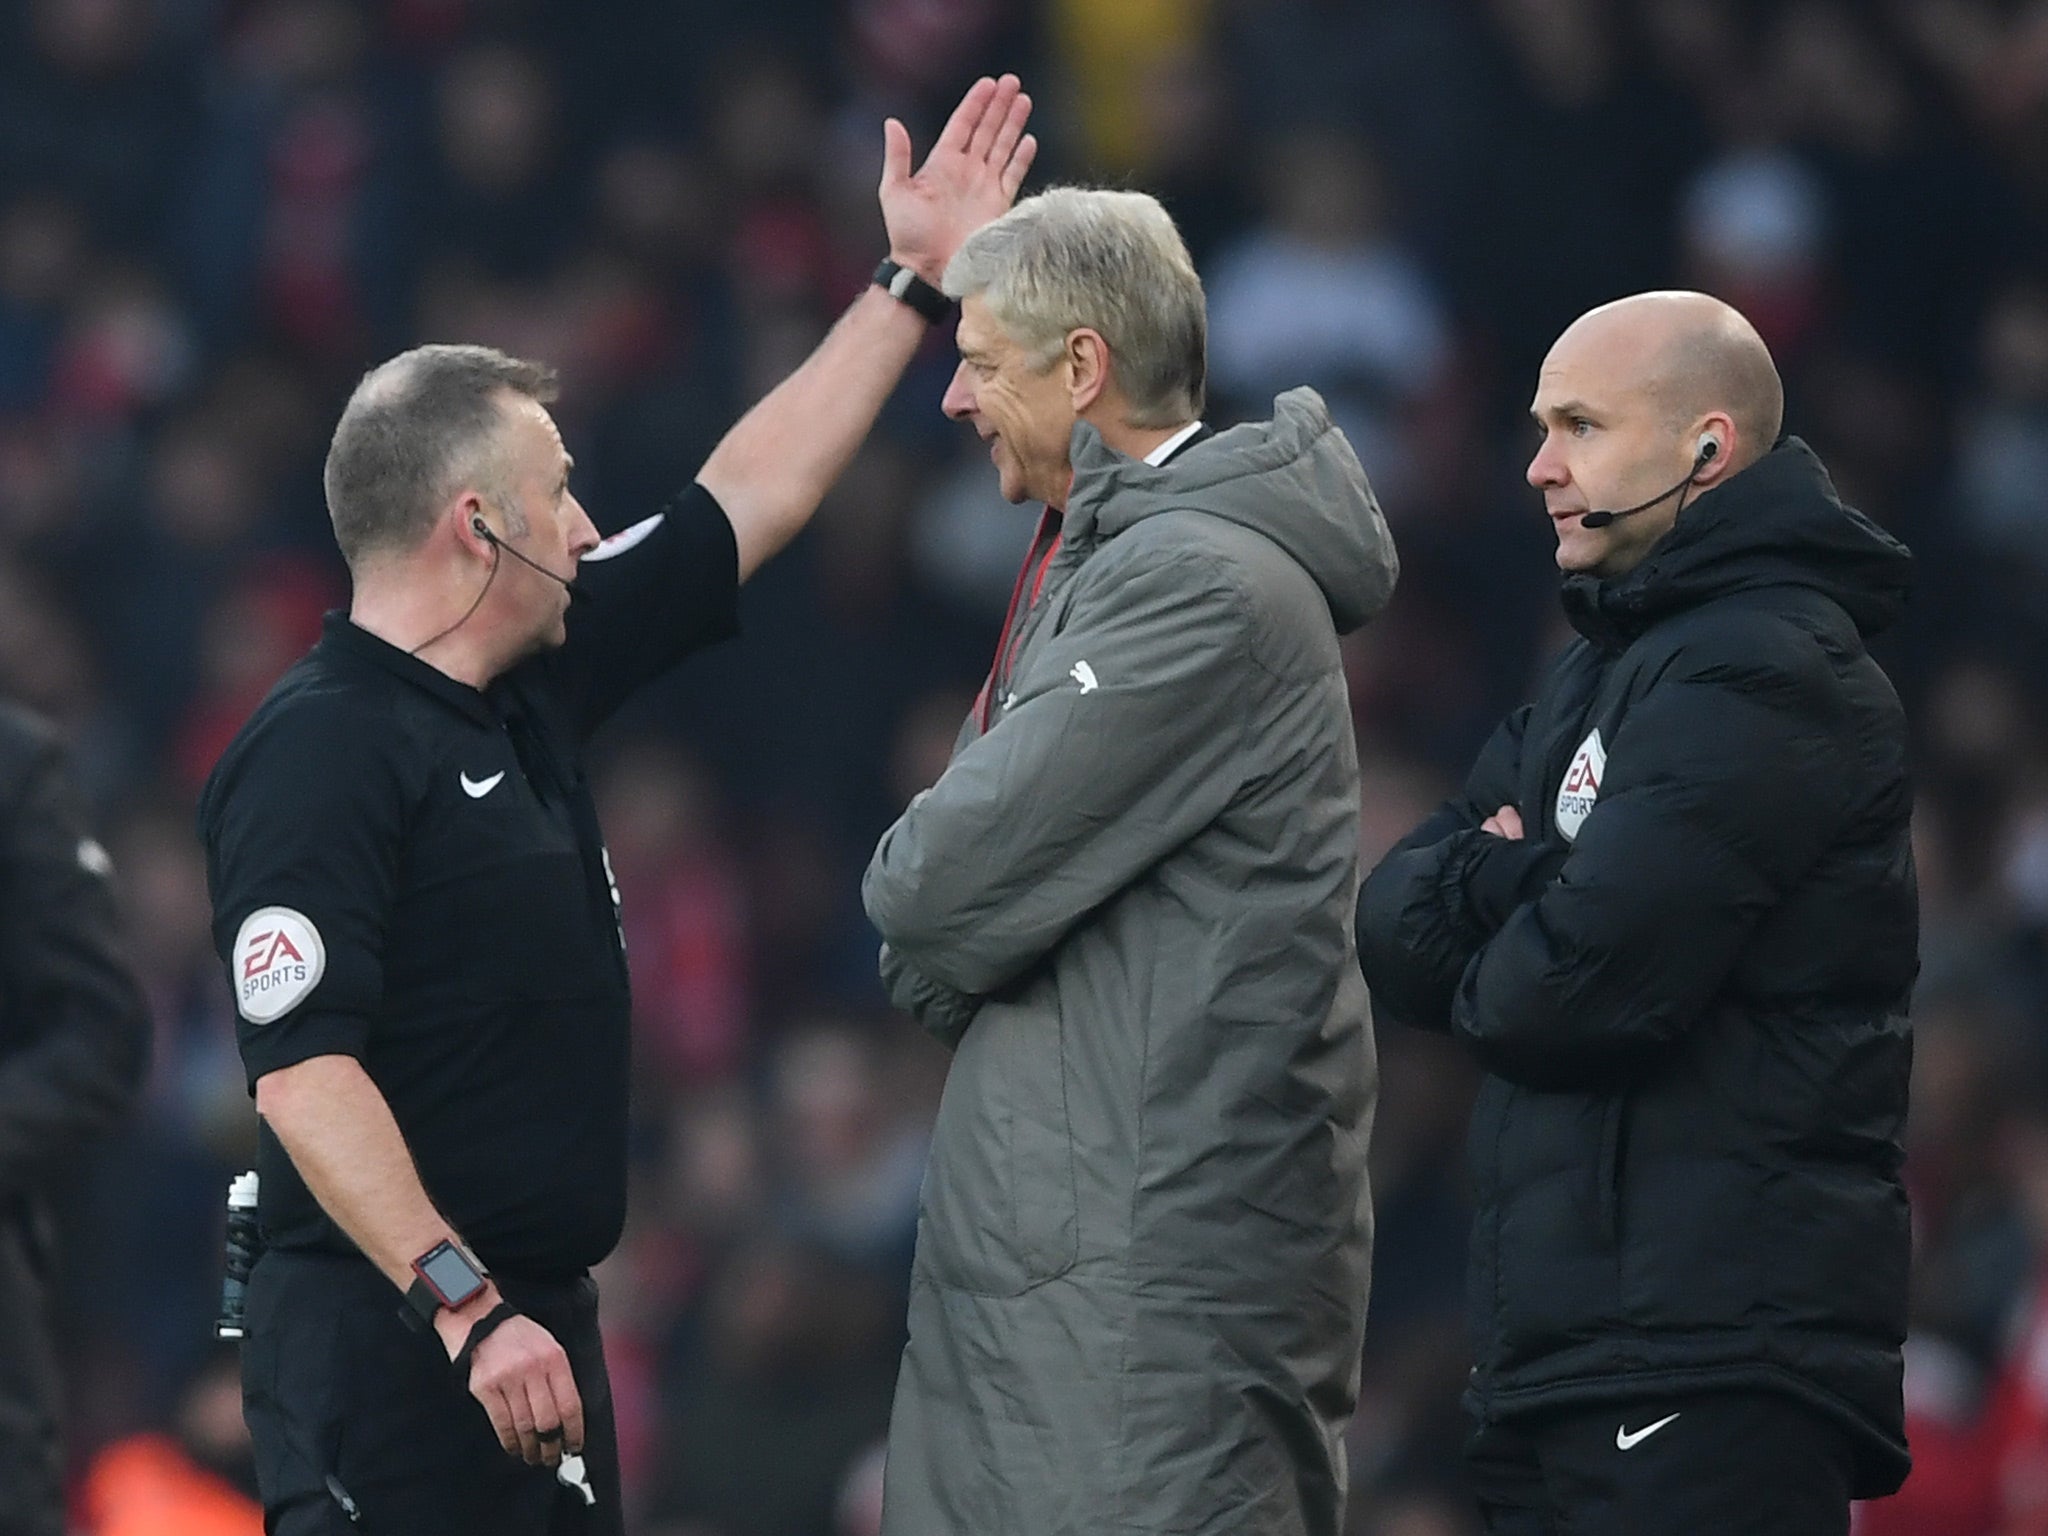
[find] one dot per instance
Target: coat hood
(1293, 479)
(1778, 523)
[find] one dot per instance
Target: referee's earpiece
(1709, 446)
(481, 528)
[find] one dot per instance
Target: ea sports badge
(1581, 786)
(278, 958)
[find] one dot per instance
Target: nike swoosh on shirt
(1626, 1441)
(476, 789)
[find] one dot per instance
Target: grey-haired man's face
(1025, 413)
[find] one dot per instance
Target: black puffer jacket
(1688, 985)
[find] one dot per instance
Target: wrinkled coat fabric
(1144, 1246)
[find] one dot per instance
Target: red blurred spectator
(263, 624)
(684, 915)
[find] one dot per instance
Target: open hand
(970, 178)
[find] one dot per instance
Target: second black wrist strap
(482, 1329)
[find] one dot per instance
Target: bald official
(1672, 914)
(1679, 391)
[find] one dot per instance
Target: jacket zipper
(1048, 534)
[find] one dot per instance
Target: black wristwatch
(446, 1277)
(906, 287)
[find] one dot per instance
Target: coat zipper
(1030, 574)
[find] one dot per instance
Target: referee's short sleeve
(303, 823)
(652, 593)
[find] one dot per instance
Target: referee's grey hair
(1113, 262)
(415, 429)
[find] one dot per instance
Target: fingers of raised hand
(895, 153)
(995, 119)
(960, 127)
(1009, 129)
(1020, 165)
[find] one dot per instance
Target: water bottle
(245, 1242)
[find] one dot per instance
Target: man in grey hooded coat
(1145, 1241)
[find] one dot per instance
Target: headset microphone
(1709, 446)
(483, 531)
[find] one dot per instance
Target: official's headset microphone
(1709, 446)
(482, 529)
(567, 583)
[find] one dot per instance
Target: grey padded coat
(1145, 1237)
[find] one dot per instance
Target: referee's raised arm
(413, 901)
(775, 465)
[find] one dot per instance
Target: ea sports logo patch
(278, 959)
(1581, 787)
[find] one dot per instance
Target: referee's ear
(472, 526)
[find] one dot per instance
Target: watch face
(451, 1274)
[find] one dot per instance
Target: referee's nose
(583, 534)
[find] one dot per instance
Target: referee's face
(557, 532)
(1023, 411)
(1607, 442)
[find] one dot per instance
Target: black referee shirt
(409, 871)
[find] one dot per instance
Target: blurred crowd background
(214, 214)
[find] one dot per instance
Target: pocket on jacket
(999, 1208)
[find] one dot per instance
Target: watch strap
(906, 287)
(422, 1305)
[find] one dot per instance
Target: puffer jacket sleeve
(1725, 782)
(1126, 738)
(941, 1012)
(1444, 889)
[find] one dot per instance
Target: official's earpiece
(1709, 446)
(482, 528)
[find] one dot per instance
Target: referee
(414, 903)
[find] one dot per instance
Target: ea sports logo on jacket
(1581, 786)
(278, 959)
